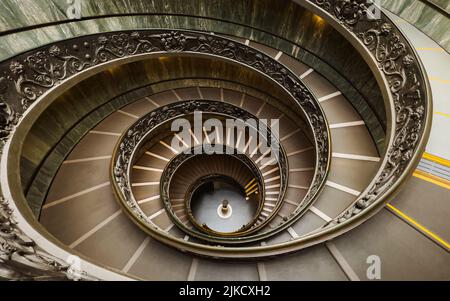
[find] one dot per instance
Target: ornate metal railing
(146, 127)
(175, 164)
(29, 82)
(190, 194)
(407, 96)
(22, 259)
(28, 79)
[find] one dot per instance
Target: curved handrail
(207, 179)
(406, 92)
(174, 165)
(407, 95)
(138, 133)
(30, 77)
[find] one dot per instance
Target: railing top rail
(29, 77)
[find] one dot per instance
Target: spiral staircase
(98, 184)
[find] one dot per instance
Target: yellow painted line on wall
(420, 227)
(442, 114)
(438, 79)
(436, 159)
(430, 49)
(432, 179)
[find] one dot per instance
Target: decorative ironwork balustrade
(26, 79)
(148, 126)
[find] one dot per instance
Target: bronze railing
(407, 97)
(190, 194)
(139, 133)
(28, 79)
(174, 165)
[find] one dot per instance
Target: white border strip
(193, 269)
(346, 124)
(306, 73)
(278, 56)
(343, 188)
(169, 147)
(86, 159)
(144, 184)
(157, 156)
(302, 169)
(298, 187)
(156, 197)
(345, 266)
(355, 157)
(105, 133)
(69, 197)
(156, 214)
(329, 96)
(290, 135)
(320, 214)
(147, 168)
(262, 273)
(136, 255)
(300, 151)
(152, 102)
(177, 95)
(292, 232)
(95, 229)
(128, 114)
(200, 93)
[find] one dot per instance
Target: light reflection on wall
(319, 25)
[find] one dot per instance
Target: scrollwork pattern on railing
(147, 126)
(27, 77)
(398, 63)
(22, 259)
(179, 160)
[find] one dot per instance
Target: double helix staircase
(93, 169)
